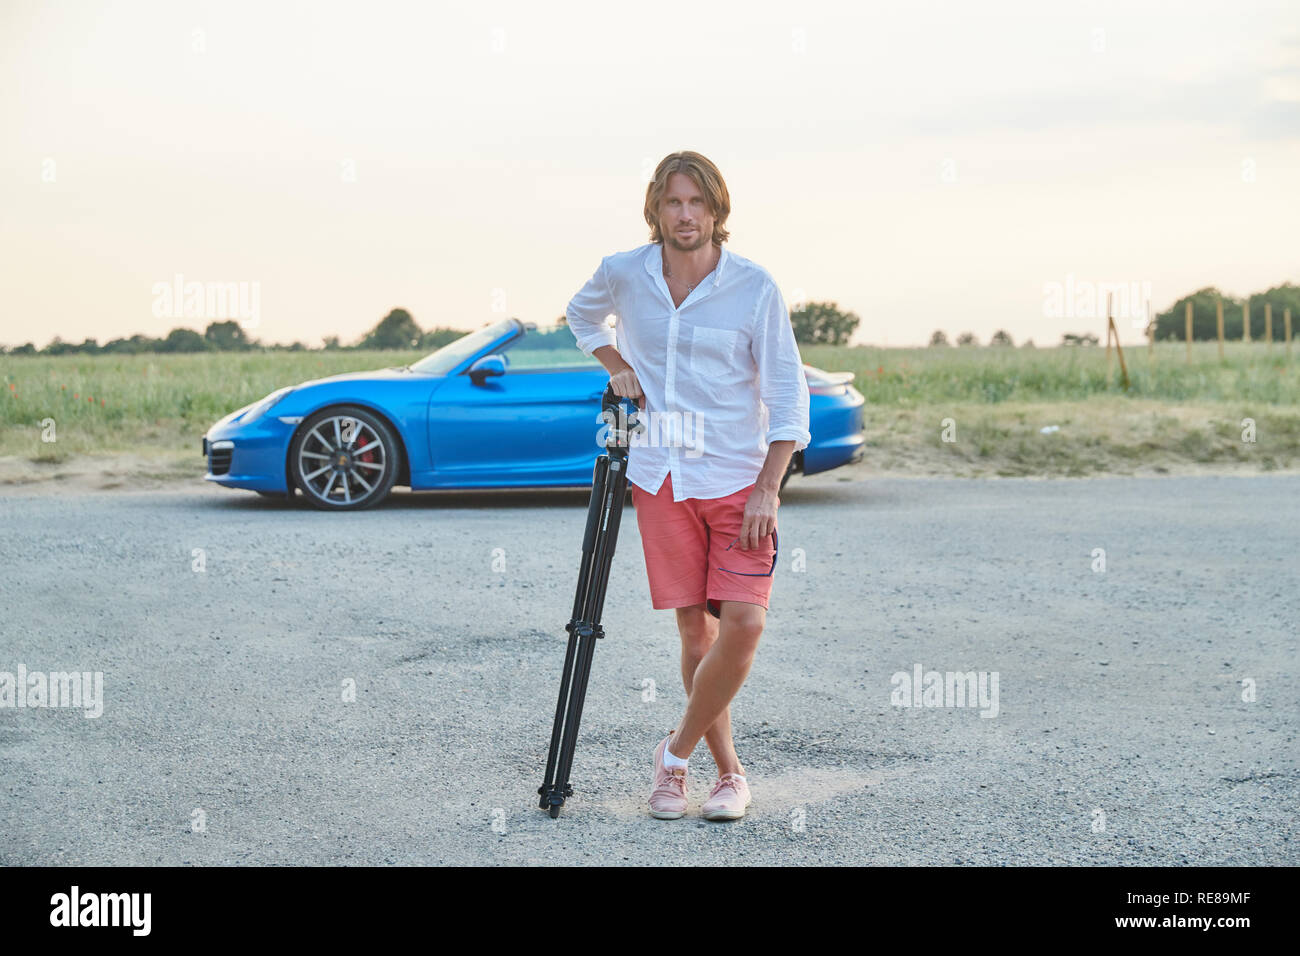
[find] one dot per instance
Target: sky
(927, 165)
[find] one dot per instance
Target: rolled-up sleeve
(588, 311)
(782, 384)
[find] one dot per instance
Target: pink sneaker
(668, 795)
(728, 800)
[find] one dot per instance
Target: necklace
(669, 275)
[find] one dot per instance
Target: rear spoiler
(818, 377)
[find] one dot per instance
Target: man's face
(684, 216)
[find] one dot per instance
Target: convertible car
(507, 406)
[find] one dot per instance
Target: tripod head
(622, 423)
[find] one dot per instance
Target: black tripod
(604, 511)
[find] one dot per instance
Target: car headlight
(265, 405)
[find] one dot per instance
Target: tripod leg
(573, 719)
(547, 788)
(553, 788)
(590, 629)
(613, 518)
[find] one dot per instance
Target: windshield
(453, 353)
(551, 347)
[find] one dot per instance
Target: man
(702, 337)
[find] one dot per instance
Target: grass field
(1175, 416)
(143, 415)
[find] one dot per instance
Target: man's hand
(625, 383)
(760, 516)
(621, 377)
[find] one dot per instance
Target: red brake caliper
(368, 456)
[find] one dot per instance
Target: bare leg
(699, 631)
(719, 676)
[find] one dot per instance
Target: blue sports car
(507, 406)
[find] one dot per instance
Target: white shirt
(721, 372)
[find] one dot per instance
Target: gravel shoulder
(87, 474)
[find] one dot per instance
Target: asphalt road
(1121, 733)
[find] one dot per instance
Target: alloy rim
(341, 460)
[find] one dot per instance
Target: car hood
(377, 375)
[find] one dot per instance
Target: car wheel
(344, 458)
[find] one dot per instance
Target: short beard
(700, 240)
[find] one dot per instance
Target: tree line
(814, 323)
(1172, 324)
(397, 330)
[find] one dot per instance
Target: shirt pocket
(712, 350)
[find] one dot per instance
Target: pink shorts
(691, 550)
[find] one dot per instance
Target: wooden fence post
(1188, 323)
(1109, 324)
(1286, 323)
(1151, 334)
(1218, 317)
(1245, 320)
(1119, 350)
(1268, 324)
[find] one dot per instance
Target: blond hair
(705, 175)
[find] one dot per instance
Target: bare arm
(760, 507)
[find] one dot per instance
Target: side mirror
(488, 365)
